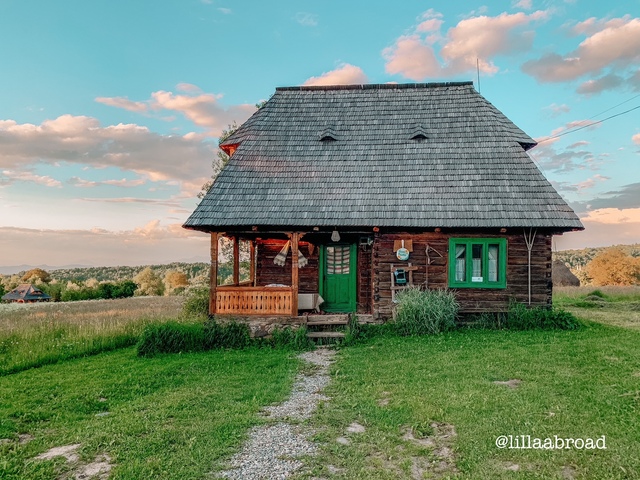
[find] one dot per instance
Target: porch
(284, 277)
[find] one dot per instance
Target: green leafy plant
(171, 337)
(522, 317)
(425, 312)
(226, 335)
(196, 303)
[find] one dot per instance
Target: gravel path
(272, 451)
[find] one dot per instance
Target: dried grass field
(38, 334)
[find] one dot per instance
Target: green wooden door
(338, 278)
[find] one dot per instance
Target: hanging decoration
(402, 253)
(335, 236)
(281, 257)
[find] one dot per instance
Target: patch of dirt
(514, 467)
(355, 427)
(384, 400)
(343, 441)
(99, 468)
(513, 383)
(636, 374)
(441, 463)
(25, 438)
(66, 451)
(568, 472)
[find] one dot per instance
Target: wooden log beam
(213, 273)
(252, 263)
(295, 281)
(236, 260)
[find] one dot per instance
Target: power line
(572, 130)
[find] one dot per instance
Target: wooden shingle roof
(412, 155)
(25, 292)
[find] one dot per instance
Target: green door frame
(353, 276)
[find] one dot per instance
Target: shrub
(196, 303)
(171, 337)
(522, 317)
(288, 338)
(226, 335)
(425, 312)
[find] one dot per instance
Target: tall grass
(426, 312)
(32, 335)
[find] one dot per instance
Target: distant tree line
(78, 284)
(617, 265)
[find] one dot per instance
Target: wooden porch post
(213, 273)
(252, 263)
(236, 261)
(294, 274)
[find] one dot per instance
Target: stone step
(327, 320)
(325, 335)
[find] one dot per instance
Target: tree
(174, 280)
(614, 267)
(148, 283)
(36, 275)
(221, 159)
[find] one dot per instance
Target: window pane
(461, 264)
(476, 257)
(338, 260)
(493, 263)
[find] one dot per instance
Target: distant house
(26, 293)
(352, 193)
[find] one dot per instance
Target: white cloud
(307, 19)
(611, 46)
(12, 176)
(474, 41)
(83, 141)
(203, 109)
(636, 139)
(524, 4)
(346, 74)
(555, 110)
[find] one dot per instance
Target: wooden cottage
(26, 293)
(348, 194)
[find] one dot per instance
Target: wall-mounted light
(335, 236)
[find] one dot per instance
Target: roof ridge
(376, 86)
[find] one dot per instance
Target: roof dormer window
(418, 133)
(328, 135)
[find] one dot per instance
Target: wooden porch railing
(253, 300)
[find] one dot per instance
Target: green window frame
(478, 262)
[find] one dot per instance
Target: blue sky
(110, 110)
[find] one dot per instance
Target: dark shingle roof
(471, 170)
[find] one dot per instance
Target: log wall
(436, 275)
(268, 272)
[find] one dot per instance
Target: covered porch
(287, 276)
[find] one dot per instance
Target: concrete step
(327, 320)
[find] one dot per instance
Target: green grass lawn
(576, 384)
(170, 417)
(179, 416)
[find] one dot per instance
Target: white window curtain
(493, 263)
(461, 265)
(477, 261)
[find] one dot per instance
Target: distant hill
(15, 269)
(578, 259)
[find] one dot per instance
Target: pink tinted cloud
(604, 227)
(11, 176)
(203, 109)
(346, 74)
(473, 41)
(84, 141)
(613, 44)
(636, 139)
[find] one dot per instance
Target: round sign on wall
(402, 253)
